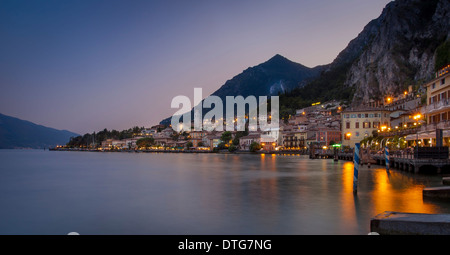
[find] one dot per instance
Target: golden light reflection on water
(320, 190)
(348, 200)
(387, 191)
(394, 191)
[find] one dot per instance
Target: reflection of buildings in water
(268, 186)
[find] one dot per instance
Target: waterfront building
(293, 138)
(197, 136)
(323, 136)
(211, 140)
(246, 141)
(118, 144)
(358, 123)
(130, 143)
(268, 142)
(438, 97)
(436, 112)
(107, 144)
(271, 134)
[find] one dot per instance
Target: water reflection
(126, 193)
(397, 191)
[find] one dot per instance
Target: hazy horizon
(88, 65)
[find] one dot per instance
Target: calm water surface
(43, 192)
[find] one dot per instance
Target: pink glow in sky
(89, 65)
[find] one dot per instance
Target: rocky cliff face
(397, 49)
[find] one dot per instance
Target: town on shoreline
(417, 117)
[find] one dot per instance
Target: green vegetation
(255, 147)
(145, 142)
(442, 55)
(97, 138)
(238, 135)
(232, 148)
(328, 86)
(226, 137)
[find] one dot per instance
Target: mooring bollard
(386, 155)
(355, 168)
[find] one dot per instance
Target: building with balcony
(438, 97)
(436, 111)
(294, 139)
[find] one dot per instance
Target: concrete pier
(446, 181)
(437, 192)
(397, 223)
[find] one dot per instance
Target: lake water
(50, 192)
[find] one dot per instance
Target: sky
(87, 65)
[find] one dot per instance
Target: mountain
(276, 75)
(403, 49)
(404, 46)
(17, 133)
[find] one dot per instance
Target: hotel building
(438, 97)
(358, 123)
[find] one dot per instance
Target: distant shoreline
(184, 151)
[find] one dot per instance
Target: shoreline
(300, 153)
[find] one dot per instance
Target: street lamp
(348, 135)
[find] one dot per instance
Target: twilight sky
(89, 64)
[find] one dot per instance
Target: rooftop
(365, 109)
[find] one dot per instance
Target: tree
(145, 142)
(226, 137)
(255, 147)
(232, 148)
(442, 55)
(221, 146)
(239, 134)
(200, 144)
(189, 144)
